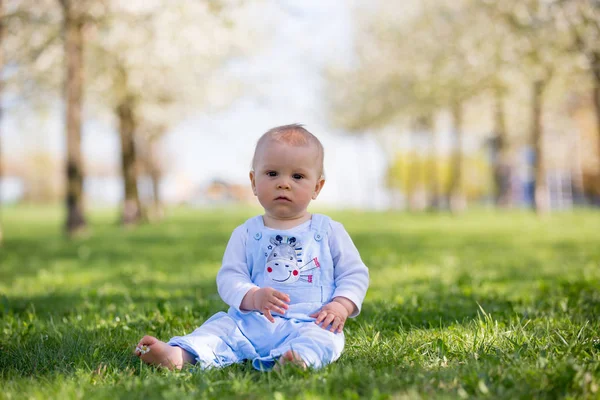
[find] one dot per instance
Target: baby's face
(286, 178)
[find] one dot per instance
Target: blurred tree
(36, 55)
(583, 19)
(476, 186)
(27, 34)
(502, 168)
(454, 42)
(145, 62)
(540, 43)
(40, 186)
(49, 36)
(149, 136)
(151, 68)
(425, 64)
(425, 126)
(495, 56)
(74, 23)
(400, 92)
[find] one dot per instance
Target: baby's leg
(161, 354)
(311, 346)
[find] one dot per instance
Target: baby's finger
(335, 324)
(282, 296)
(328, 320)
(276, 309)
(267, 313)
(280, 304)
(320, 317)
(340, 328)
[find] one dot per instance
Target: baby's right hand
(268, 299)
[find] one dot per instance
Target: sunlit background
(421, 105)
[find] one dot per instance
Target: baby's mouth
(283, 198)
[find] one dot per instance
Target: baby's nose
(283, 184)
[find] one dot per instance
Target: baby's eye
(271, 173)
(297, 176)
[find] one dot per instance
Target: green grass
(483, 305)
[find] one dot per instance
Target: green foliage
(483, 305)
(410, 171)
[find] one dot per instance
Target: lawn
(483, 305)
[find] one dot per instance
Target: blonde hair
(294, 135)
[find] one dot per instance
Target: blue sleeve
(233, 279)
(350, 273)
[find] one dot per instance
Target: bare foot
(290, 357)
(161, 354)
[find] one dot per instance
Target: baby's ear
(318, 187)
(252, 182)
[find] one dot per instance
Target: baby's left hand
(332, 315)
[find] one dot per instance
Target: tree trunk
(456, 195)
(73, 27)
(501, 167)
(432, 183)
(132, 211)
(541, 201)
(154, 171)
(419, 171)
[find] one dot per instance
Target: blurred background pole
(501, 167)
(73, 25)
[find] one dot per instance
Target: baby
(291, 278)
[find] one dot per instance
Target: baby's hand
(268, 299)
(332, 315)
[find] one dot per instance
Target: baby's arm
(235, 285)
(233, 278)
(351, 280)
(350, 273)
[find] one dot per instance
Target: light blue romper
(299, 265)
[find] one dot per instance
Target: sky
(304, 37)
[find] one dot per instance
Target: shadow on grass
(198, 295)
(443, 306)
(433, 310)
(21, 258)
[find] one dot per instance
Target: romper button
(257, 235)
(318, 237)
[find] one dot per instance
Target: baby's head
(287, 172)
(292, 135)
